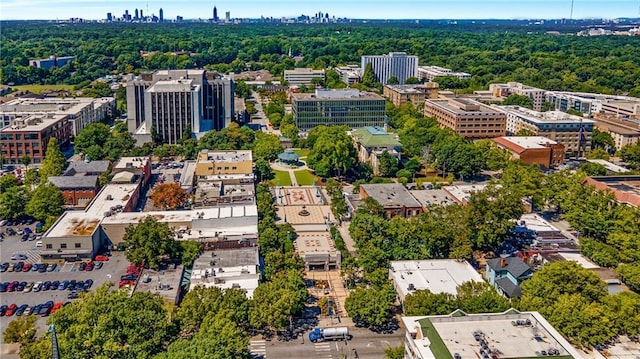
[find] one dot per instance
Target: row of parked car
(41, 267)
(25, 287)
(131, 276)
(40, 309)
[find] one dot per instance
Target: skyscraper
(227, 16)
(395, 64)
(161, 15)
(141, 15)
(109, 17)
(136, 15)
(215, 14)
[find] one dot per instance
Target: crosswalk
(33, 256)
(323, 350)
(258, 349)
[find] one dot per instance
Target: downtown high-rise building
(215, 14)
(161, 14)
(168, 102)
(395, 64)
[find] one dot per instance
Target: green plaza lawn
(40, 88)
(305, 178)
(282, 178)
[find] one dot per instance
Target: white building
(515, 88)
(574, 132)
(303, 76)
(435, 275)
(429, 73)
(350, 74)
(395, 64)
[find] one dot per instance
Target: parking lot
(64, 271)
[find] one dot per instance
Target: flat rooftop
(525, 142)
(413, 89)
(437, 275)
(314, 242)
(625, 188)
(463, 106)
(390, 195)
(611, 167)
(229, 268)
(174, 86)
(224, 156)
(111, 195)
(580, 259)
(536, 223)
(303, 71)
(76, 224)
(334, 95)
(229, 214)
(499, 332)
(128, 162)
(166, 282)
(35, 123)
(545, 117)
(462, 193)
(430, 197)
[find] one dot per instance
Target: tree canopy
(54, 161)
(169, 196)
(149, 241)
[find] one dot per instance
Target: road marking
(258, 349)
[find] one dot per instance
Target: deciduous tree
(149, 241)
(169, 196)
(54, 162)
(45, 201)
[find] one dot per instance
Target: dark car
(88, 283)
(35, 309)
(21, 309)
(11, 231)
(54, 285)
(72, 284)
(3, 286)
(51, 267)
(45, 310)
(99, 265)
(46, 285)
(3, 310)
(18, 267)
(24, 238)
(20, 286)
(82, 266)
(30, 221)
(42, 268)
(72, 295)
(35, 267)
(12, 286)
(63, 285)
(4, 266)
(129, 277)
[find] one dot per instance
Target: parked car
(72, 285)
(11, 231)
(89, 266)
(46, 285)
(82, 266)
(45, 310)
(72, 295)
(35, 267)
(20, 286)
(129, 277)
(35, 309)
(11, 309)
(27, 267)
(102, 258)
(37, 286)
(28, 287)
(88, 283)
(4, 266)
(3, 310)
(18, 257)
(18, 267)
(51, 267)
(63, 285)
(20, 231)
(21, 309)
(56, 306)
(42, 268)
(54, 285)
(11, 266)
(99, 265)
(3, 287)
(12, 286)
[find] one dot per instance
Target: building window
(78, 245)
(63, 246)
(49, 246)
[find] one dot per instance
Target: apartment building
(30, 135)
(80, 112)
(467, 117)
(414, 94)
(338, 107)
(593, 103)
(428, 73)
(536, 95)
(51, 62)
(170, 101)
(395, 64)
(303, 76)
(533, 150)
(624, 131)
(573, 132)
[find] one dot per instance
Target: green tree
(189, 252)
(393, 81)
(630, 275)
(368, 76)
(266, 146)
(7, 182)
(369, 305)
(395, 353)
(593, 169)
(602, 140)
(109, 323)
(492, 215)
(95, 134)
(45, 201)
(518, 100)
(54, 162)
(423, 302)
(631, 154)
(25, 160)
(598, 154)
(149, 241)
(21, 330)
(333, 152)
(275, 302)
(548, 106)
(525, 132)
(412, 81)
(13, 202)
(387, 164)
(263, 170)
(31, 177)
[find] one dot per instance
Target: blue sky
(378, 9)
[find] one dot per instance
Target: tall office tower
(161, 15)
(141, 15)
(215, 14)
(395, 64)
(109, 17)
(136, 15)
(126, 15)
(170, 100)
(227, 16)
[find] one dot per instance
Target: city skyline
(378, 9)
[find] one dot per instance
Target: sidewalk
(343, 228)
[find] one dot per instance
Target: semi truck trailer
(322, 334)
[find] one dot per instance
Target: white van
(38, 244)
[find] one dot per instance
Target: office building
(395, 64)
(109, 17)
(80, 112)
(371, 142)
(349, 74)
(215, 14)
(511, 334)
(573, 132)
(52, 62)
(626, 188)
(394, 198)
(30, 135)
(214, 163)
(303, 76)
(428, 73)
(414, 94)
(533, 150)
(592, 103)
(468, 118)
(536, 95)
(348, 107)
(435, 275)
(624, 131)
(161, 14)
(171, 101)
(227, 16)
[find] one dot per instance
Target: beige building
(536, 95)
(466, 117)
(416, 94)
(302, 76)
(371, 142)
(624, 132)
(574, 132)
(212, 163)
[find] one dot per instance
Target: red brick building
(533, 150)
(30, 136)
(78, 191)
(394, 198)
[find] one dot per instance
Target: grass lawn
(302, 152)
(282, 178)
(304, 178)
(39, 88)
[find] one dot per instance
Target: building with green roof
(372, 141)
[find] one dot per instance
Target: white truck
(322, 334)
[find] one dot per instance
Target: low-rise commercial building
(212, 163)
(317, 250)
(80, 112)
(429, 73)
(536, 95)
(236, 267)
(533, 150)
(626, 188)
(573, 132)
(461, 194)
(303, 76)
(394, 198)
(467, 118)
(371, 142)
(30, 135)
(349, 74)
(78, 191)
(436, 275)
(624, 131)
(414, 94)
(139, 167)
(348, 107)
(511, 334)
